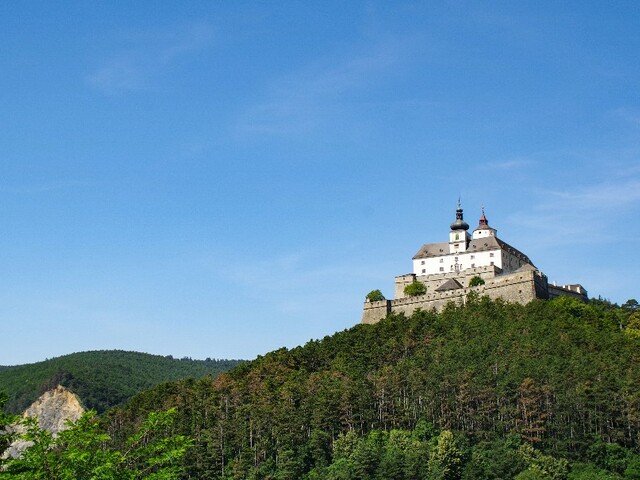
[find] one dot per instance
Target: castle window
(424, 271)
(422, 262)
(442, 269)
(473, 265)
(491, 263)
(441, 260)
(491, 254)
(456, 258)
(472, 257)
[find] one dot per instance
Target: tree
(476, 281)
(415, 289)
(542, 466)
(82, 452)
(375, 296)
(631, 304)
(446, 460)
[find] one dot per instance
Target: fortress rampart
(519, 287)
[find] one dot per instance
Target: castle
(479, 262)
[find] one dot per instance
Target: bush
(375, 296)
(415, 289)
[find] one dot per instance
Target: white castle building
(446, 269)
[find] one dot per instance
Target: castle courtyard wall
(520, 287)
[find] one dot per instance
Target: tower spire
(483, 220)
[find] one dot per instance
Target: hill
(486, 391)
(102, 379)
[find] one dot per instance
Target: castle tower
(483, 229)
(459, 238)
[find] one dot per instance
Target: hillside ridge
(511, 387)
(101, 378)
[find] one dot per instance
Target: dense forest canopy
(489, 390)
(102, 379)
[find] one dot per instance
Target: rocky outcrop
(52, 410)
(55, 408)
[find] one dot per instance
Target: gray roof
(451, 284)
(478, 245)
(527, 267)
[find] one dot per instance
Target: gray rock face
(53, 410)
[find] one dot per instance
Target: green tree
(545, 466)
(532, 473)
(82, 452)
(476, 281)
(446, 459)
(375, 296)
(415, 289)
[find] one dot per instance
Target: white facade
(464, 251)
(456, 262)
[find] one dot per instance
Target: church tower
(459, 238)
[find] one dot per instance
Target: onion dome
(459, 224)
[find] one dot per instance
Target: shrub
(415, 289)
(375, 296)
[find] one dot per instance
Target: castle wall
(373, 312)
(519, 287)
(574, 291)
(432, 282)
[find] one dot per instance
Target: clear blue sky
(219, 179)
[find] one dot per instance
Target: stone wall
(520, 287)
(574, 291)
(432, 282)
(373, 312)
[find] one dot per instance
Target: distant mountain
(101, 379)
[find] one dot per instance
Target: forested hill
(486, 391)
(101, 379)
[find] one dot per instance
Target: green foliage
(495, 460)
(446, 460)
(83, 452)
(101, 379)
(585, 471)
(632, 328)
(6, 435)
(476, 281)
(415, 289)
(541, 465)
(375, 296)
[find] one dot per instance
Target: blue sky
(219, 179)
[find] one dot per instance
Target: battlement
(518, 287)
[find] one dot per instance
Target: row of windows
(473, 265)
(455, 259)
